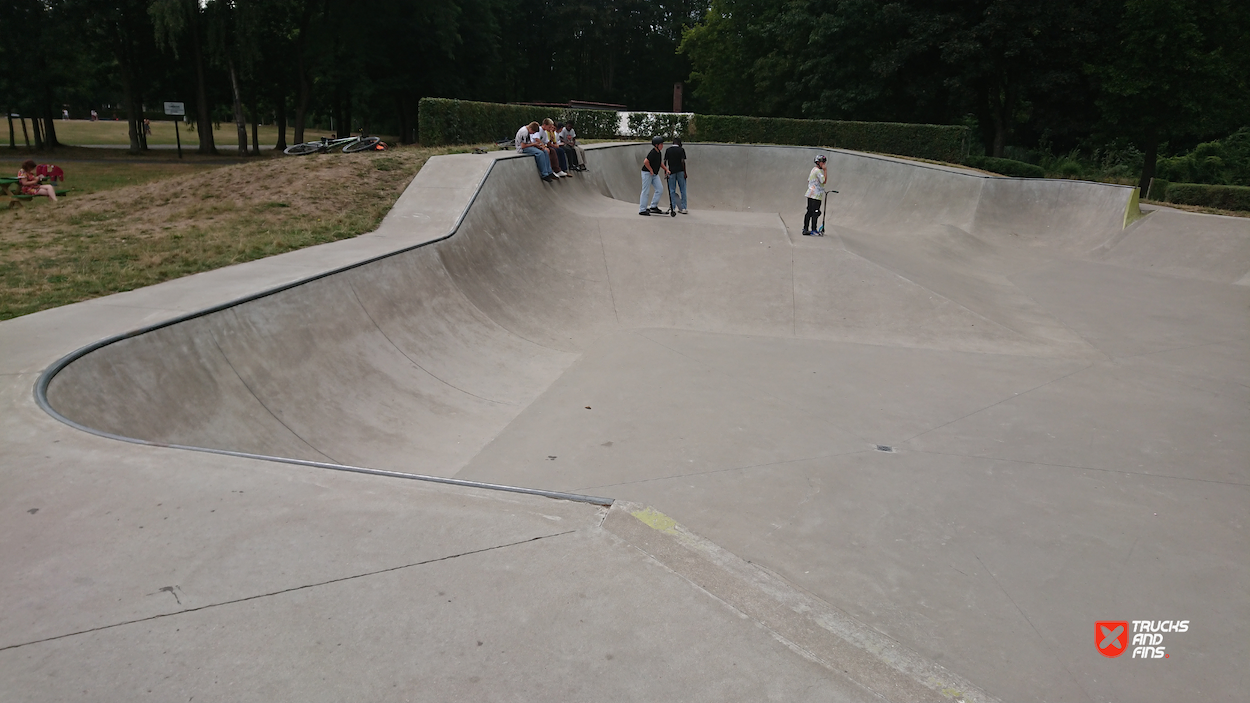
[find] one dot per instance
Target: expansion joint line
(288, 590)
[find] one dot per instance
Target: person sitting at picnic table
(30, 183)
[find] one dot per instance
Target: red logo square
(1111, 637)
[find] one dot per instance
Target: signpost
(176, 109)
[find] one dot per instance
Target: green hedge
(1223, 197)
(926, 141)
(441, 121)
(1007, 167)
(1158, 190)
(644, 125)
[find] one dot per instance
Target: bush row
(441, 121)
(1007, 167)
(1223, 197)
(926, 141)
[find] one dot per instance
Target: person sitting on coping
(560, 162)
(524, 145)
(30, 184)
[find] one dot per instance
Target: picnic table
(17, 198)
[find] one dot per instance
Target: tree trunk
(255, 128)
(12, 135)
(280, 118)
(301, 104)
(345, 130)
(35, 127)
(49, 131)
(25, 134)
(403, 120)
(1150, 157)
(303, 82)
(203, 117)
(239, 122)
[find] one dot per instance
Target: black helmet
(657, 140)
(820, 159)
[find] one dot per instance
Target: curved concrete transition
(979, 416)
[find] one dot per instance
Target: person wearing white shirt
(524, 142)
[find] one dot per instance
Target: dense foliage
(942, 143)
(1061, 74)
(444, 121)
(309, 63)
(1082, 78)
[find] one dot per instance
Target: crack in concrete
(999, 402)
(285, 590)
(1083, 468)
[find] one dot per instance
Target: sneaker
(549, 178)
(807, 233)
(655, 210)
(683, 211)
(644, 213)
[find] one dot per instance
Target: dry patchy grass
(139, 235)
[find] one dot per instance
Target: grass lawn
(146, 223)
(86, 177)
(85, 132)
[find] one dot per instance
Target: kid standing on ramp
(816, 181)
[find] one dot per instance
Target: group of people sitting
(553, 146)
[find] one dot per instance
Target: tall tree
(1178, 70)
(181, 21)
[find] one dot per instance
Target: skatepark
(690, 458)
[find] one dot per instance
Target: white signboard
(174, 109)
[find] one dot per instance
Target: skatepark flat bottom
(977, 417)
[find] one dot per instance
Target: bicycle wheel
(303, 149)
(362, 144)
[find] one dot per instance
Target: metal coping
(45, 378)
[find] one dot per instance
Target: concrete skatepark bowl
(979, 416)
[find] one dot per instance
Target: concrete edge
(808, 625)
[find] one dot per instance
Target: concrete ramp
(979, 415)
(418, 359)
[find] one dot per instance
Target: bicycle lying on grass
(350, 145)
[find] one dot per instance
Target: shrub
(645, 125)
(1223, 197)
(1069, 168)
(926, 141)
(1221, 162)
(442, 121)
(1006, 167)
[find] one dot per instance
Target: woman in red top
(29, 182)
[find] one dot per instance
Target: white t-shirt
(567, 135)
(522, 137)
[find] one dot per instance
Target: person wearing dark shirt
(675, 164)
(651, 167)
